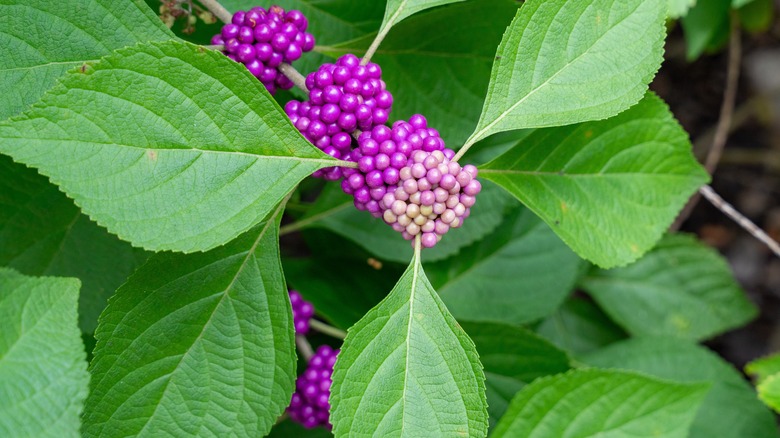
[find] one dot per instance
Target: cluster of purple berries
(343, 97)
(263, 39)
(309, 405)
(405, 176)
(302, 312)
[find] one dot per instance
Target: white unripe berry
(389, 217)
(412, 210)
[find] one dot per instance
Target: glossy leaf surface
(592, 402)
(730, 409)
(680, 288)
(519, 273)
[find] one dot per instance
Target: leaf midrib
(329, 161)
(582, 175)
(32, 67)
(415, 274)
(388, 24)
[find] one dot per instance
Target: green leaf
(43, 372)
(515, 352)
(335, 212)
(764, 368)
(579, 326)
(591, 402)
(438, 63)
(507, 276)
(609, 189)
(43, 233)
(757, 16)
(168, 145)
(408, 369)
(678, 8)
(564, 62)
(500, 391)
(736, 4)
(397, 10)
(730, 410)
(767, 374)
(512, 356)
(74, 31)
(198, 344)
(681, 288)
(769, 392)
(705, 26)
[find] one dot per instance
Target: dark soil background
(747, 175)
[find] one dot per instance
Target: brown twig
(740, 219)
(304, 347)
(723, 126)
(729, 98)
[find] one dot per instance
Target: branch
(295, 76)
(327, 329)
(740, 219)
(218, 10)
(304, 347)
(729, 98)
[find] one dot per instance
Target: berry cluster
(343, 97)
(302, 312)
(309, 405)
(405, 176)
(263, 39)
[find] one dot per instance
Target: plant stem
(462, 151)
(217, 47)
(304, 347)
(293, 74)
(723, 126)
(741, 220)
(374, 45)
(382, 34)
(218, 10)
(729, 97)
(327, 329)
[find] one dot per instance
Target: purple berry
(302, 312)
(276, 37)
(309, 405)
